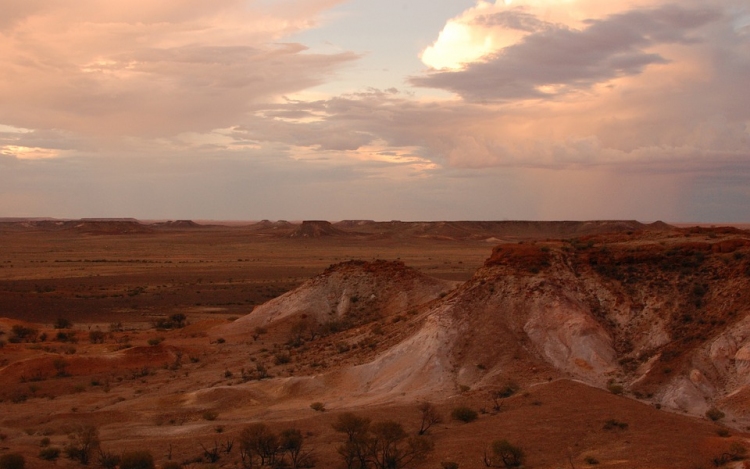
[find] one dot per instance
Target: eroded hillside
(646, 319)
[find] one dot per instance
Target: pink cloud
(152, 68)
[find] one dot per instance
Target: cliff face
(660, 316)
(665, 316)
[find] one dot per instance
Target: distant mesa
(107, 226)
(396, 229)
(178, 224)
(107, 220)
(317, 229)
(272, 225)
(354, 223)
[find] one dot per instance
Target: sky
(395, 109)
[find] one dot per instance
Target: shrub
(69, 336)
(714, 414)
(613, 424)
(258, 440)
(108, 460)
(282, 358)
(210, 415)
(49, 453)
(178, 320)
(171, 465)
(318, 407)
(63, 323)
(22, 334)
(384, 444)
(615, 388)
(592, 461)
(355, 427)
(504, 454)
(507, 390)
(137, 460)
(155, 341)
(12, 461)
(737, 451)
(464, 414)
(291, 443)
(96, 337)
(449, 465)
(429, 417)
(175, 321)
(85, 439)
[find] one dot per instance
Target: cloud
(554, 59)
(574, 109)
(152, 69)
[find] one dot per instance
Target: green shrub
(12, 461)
(464, 414)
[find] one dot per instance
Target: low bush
(613, 424)
(714, 414)
(464, 414)
(49, 453)
(63, 323)
(155, 341)
(504, 454)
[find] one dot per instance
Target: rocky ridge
(660, 316)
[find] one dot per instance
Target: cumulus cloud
(556, 59)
